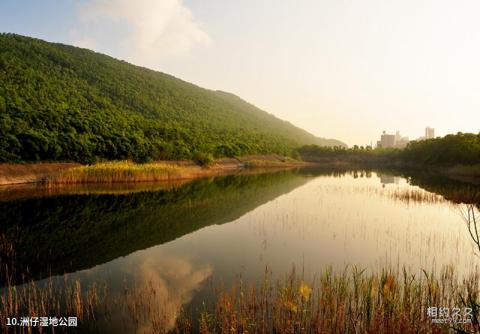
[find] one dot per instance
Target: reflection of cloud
(145, 290)
(168, 283)
(150, 29)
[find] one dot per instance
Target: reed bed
(49, 300)
(408, 195)
(416, 196)
(347, 302)
(121, 171)
(350, 301)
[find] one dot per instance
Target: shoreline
(55, 174)
(469, 172)
(64, 173)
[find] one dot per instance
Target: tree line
(453, 149)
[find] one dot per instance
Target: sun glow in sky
(337, 68)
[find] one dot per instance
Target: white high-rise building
(429, 133)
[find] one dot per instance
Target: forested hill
(59, 102)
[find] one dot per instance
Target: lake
(186, 239)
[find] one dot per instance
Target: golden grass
(121, 171)
(129, 172)
(352, 301)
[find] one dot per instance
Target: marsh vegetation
(348, 301)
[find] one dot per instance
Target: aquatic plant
(349, 301)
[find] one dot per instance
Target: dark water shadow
(43, 236)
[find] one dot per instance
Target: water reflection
(175, 281)
(148, 287)
(57, 234)
(388, 179)
(177, 238)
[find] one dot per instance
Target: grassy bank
(352, 301)
(129, 172)
(126, 171)
(121, 171)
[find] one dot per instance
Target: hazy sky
(340, 69)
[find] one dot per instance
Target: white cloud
(146, 31)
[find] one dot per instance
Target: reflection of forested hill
(455, 190)
(69, 233)
(452, 190)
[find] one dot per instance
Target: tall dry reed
(350, 301)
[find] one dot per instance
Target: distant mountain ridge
(59, 102)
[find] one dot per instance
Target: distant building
(429, 133)
(386, 140)
(400, 142)
(396, 140)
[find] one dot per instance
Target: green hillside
(59, 102)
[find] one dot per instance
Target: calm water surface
(187, 238)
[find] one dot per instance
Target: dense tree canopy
(59, 102)
(462, 148)
(458, 149)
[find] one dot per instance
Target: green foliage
(459, 149)
(357, 153)
(203, 159)
(462, 148)
(59, 102)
